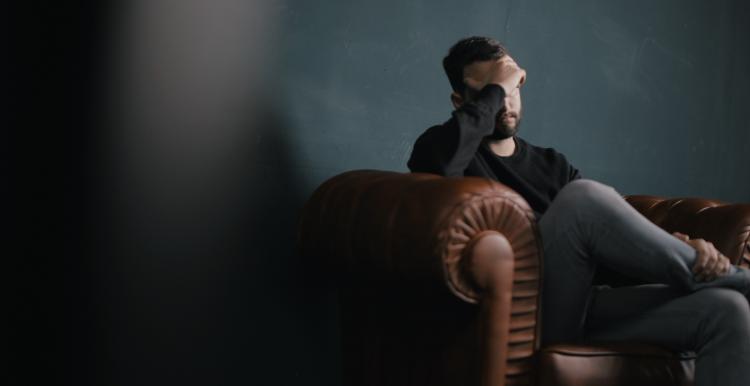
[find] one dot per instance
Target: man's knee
(731, 304)
(726, 310)
(585, 190)
(586, 198)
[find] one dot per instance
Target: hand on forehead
(479, 74)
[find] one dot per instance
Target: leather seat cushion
(614, 365)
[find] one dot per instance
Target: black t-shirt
(458, 148)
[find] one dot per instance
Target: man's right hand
(710, 263)
(503, 72)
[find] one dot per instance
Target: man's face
(509, 117)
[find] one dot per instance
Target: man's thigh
(612, 305)
(659, 314)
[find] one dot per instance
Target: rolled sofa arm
(727, 226)
(461, 234)
(394, 226)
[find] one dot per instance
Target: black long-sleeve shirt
(458, 148)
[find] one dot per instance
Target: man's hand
(503, 72)
(710, 263)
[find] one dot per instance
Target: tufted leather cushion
(727, 226)
(613, 365)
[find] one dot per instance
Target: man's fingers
(506, 63)
(506, 59)
(727, 265)
(723, 265)
(713, 261)
(712, 266)
(701, 260)
(473, 83)
(700, 269)
(722, 268)
(709, 263)
(681, 236)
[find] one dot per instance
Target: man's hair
(466, 52)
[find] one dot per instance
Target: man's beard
(502, 129)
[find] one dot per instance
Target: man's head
(474, 58)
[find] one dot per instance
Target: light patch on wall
(185, 88)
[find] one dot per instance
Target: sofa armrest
(389, 226)
(420, 233)
(727, 226)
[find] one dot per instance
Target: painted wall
(646, 96)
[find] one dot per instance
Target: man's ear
(457, 100)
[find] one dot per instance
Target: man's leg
(713, 322)
(589, 224)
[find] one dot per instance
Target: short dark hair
(466, 52)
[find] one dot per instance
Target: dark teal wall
(647, 96)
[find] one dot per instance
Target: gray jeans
(590, 224)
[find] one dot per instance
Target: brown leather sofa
(439, 280)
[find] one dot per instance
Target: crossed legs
(589, 224)
(713, 322)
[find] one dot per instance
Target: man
(700, 303)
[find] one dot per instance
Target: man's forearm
(448, 149)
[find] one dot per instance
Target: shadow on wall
(210, 282)
(199, 279)
(295, 316)
(160, 237)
